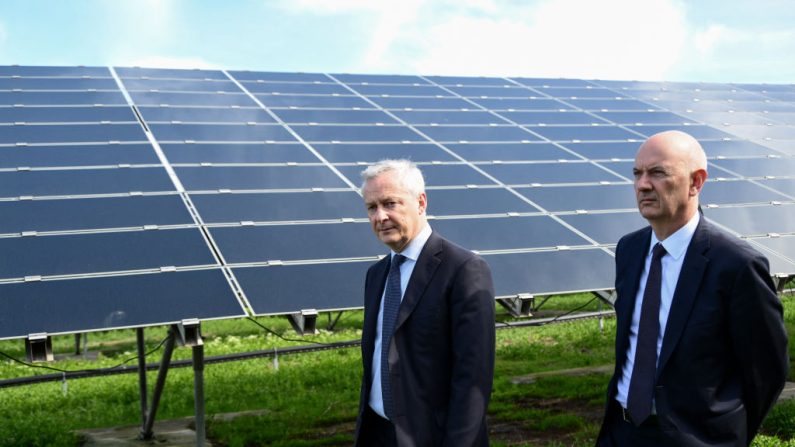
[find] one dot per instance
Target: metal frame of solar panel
(133, 197)
(216, 194)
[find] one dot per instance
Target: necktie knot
(658, 252)
(397, 260)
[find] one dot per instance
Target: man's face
(395, 214)
(663, 185)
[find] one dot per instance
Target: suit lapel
(429, 259)
(686, 293)
(630, 270)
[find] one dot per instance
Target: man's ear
(697, 180)
(423, 201)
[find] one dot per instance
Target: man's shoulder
(636, 237)
(726, 246)
(448, 248)
(380, 264)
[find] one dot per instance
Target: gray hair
(406, 172)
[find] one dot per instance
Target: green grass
(312, 398)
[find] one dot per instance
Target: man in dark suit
(701, 349)
(428, 336)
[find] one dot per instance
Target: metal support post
(198, 392)
(601, 317)
(146, 433)
(608, 296)
(38, 347)
(780, 281)
(304, 322)
(518, 306)
(139, 334)
(332, 324)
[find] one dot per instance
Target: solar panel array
(132, 196)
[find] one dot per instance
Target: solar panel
(250, 177)
(24, 183)
(98, 154)
(78, 133)
(585, 270)
(209, 115)
(606, 228)
(550, 173)
(584, 197)
(236, 153)
(512, 151)
(237, 192)
(275, 207)
(102, 252)
(92, 213)
(67, 114)
(112, 302)
(508, 233)
(368, 152)
(472, 201)
(281, 289)
(60, 98)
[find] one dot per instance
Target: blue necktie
(641, 386)
(391, 308)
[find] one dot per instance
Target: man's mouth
(647, 200)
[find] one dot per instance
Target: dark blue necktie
(391, 308)
(641, 386)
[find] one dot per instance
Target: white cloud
(136, 32)
(557, 38)
(146, 20)
(335, 6)
(721, 53)
(721, 36)
(390, 25)
(706, 40)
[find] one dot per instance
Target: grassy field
(311, 399)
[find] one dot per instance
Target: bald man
(701, 349)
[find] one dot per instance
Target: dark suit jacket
(441, 355)
(723, 359)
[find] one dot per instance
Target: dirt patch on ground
(179, 432)
(527, 433)
(511, 433)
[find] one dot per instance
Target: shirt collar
(413, 249)
(676, 244)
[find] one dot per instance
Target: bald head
(678, 146)
(670, 170)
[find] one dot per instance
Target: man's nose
(380, 215)
(642, 182)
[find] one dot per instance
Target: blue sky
(699, 40)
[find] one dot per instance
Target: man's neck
(664, 229)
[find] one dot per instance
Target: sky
(658, 40)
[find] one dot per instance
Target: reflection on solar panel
(133, 196)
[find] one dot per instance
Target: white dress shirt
(411, 252)
(675, 246)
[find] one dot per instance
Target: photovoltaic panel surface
(96, 230)
(141, 196)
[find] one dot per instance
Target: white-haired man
(428, 337)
